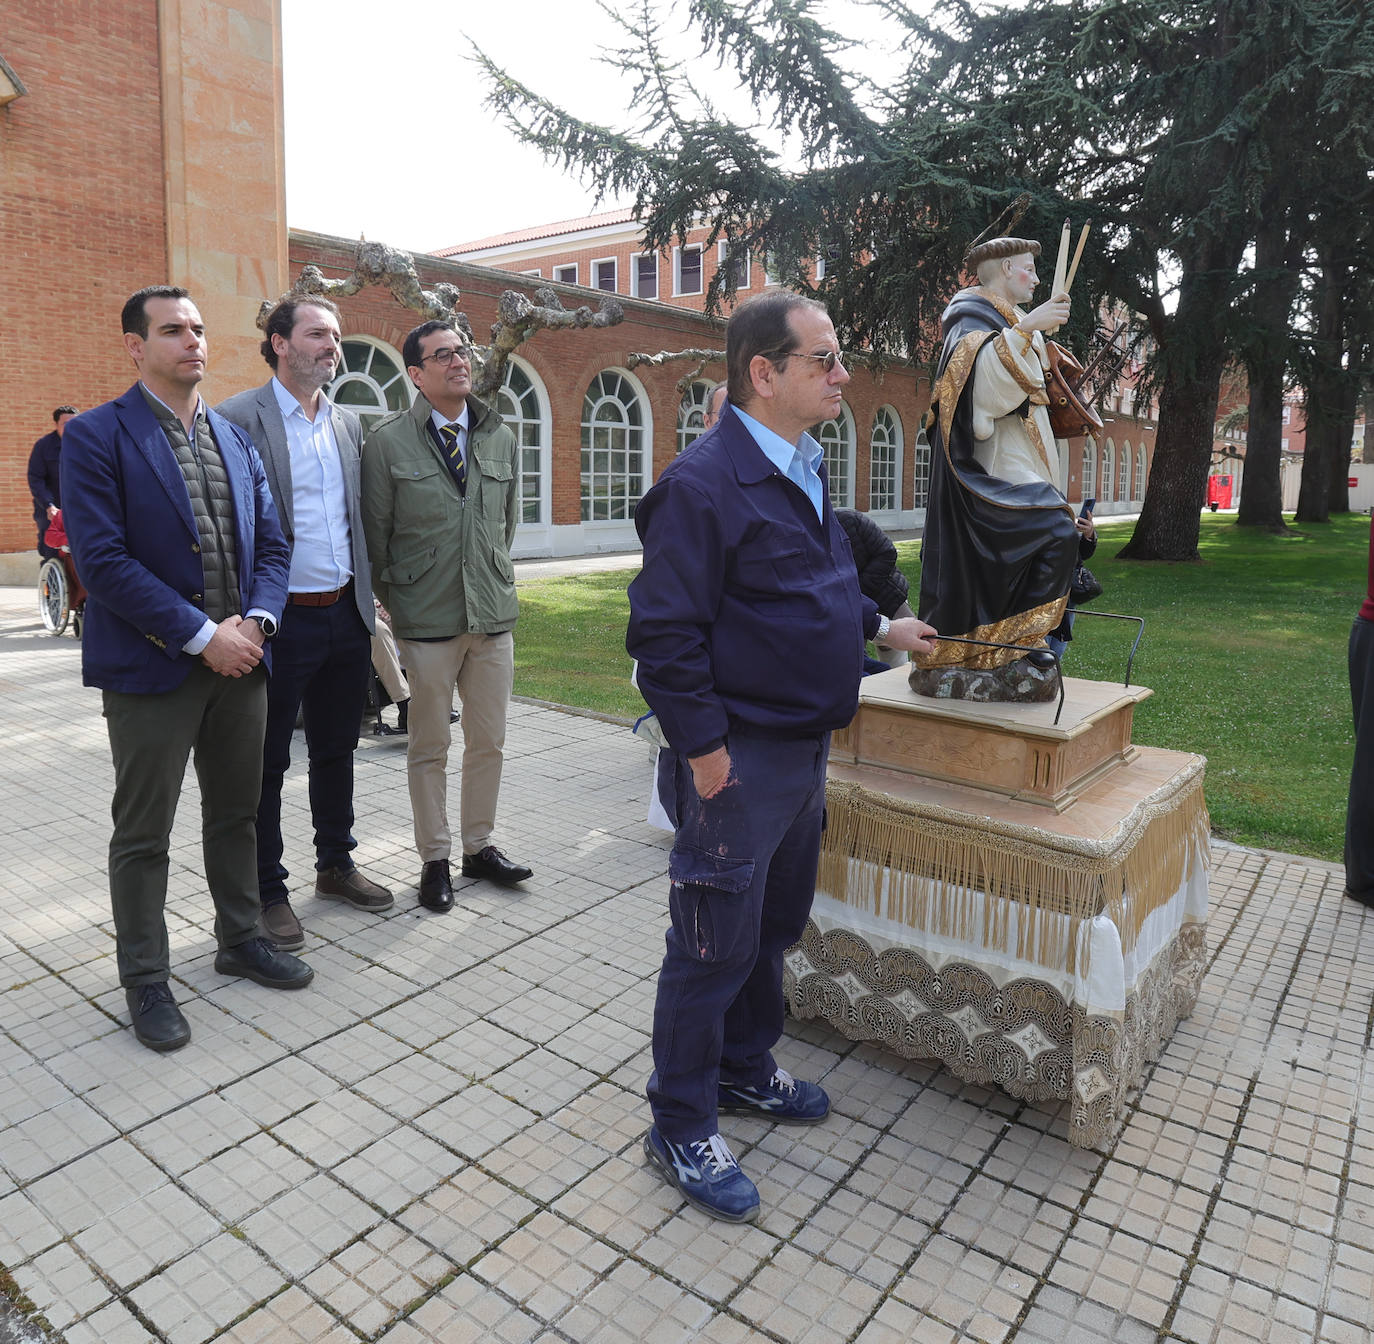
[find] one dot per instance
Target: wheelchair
(56, 607)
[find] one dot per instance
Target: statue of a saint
(1000, 543)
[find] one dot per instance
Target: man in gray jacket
(441, 489)
(321, 656)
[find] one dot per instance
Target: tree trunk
(1171, 515)
(1338, 494)
(1276, 288)
(1261, 501)
(1323, 400)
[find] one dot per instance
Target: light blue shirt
(198, 642)
(321, 547)
(799, 462)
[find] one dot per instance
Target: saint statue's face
(1021, 278)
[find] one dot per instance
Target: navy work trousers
(743, 873)
(320, 662)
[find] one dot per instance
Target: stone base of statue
(1022, 901)
(1017, 682)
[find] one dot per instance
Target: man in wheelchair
(61, 596)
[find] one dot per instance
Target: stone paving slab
(439, 1139)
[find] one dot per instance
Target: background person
(1059, 639)
(45, 477)
(875, 559)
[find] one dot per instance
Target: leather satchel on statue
(1084, 587)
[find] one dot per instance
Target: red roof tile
(531, 235)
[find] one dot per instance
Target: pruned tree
(1163, 120)
(518, 316)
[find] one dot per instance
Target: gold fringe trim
(1035, 391)
(951, 385)
(960, 878)
(1038, 439)
(1026, 628)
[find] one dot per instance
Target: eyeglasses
(827, 361)
(443, 358)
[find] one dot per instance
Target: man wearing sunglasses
(749, 627)
(441, 489)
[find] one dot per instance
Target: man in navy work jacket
(174, 533)
(749, 628)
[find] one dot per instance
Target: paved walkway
(438, 1140)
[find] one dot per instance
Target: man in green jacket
(440, 501)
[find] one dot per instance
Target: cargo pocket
(701, 879)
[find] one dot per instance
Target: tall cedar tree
(1164, 121)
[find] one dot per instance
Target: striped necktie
(449, 434)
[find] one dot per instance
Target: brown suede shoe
(280, 924)
(340, 884)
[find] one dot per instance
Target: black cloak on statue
(997, 556)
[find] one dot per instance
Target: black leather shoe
(436, 886)
(156, 1019)
(495, 867)
(260, 960)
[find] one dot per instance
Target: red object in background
(1218, 492)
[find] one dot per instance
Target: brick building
(597, 432)
(141, 142)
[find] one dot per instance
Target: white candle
(1078, 252)
(1058, 287)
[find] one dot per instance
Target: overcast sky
(386, 134)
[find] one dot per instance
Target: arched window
(690, 412)
(885, 459)
(613, 418)
(1088, 478)
(523, 408)
(836, 438)
(1123, 480)
(1139, 472)
(920, 470)
(1108, 467)
(371, 381)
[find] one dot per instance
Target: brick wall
(81, 216)
(567, 361)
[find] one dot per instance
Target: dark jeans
(743, 871)
(220, 719)
(1359, 817)
(320, 663)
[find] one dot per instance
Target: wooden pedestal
(1014, 751)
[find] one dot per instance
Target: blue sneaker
(784, 1099)
(706, 1174)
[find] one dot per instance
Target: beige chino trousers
(483, 669)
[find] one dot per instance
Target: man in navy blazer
(173, 530)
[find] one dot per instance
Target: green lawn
(1245, 653)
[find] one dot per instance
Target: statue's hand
(1049, 316)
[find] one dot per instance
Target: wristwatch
(266, 624)
(884, 625)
